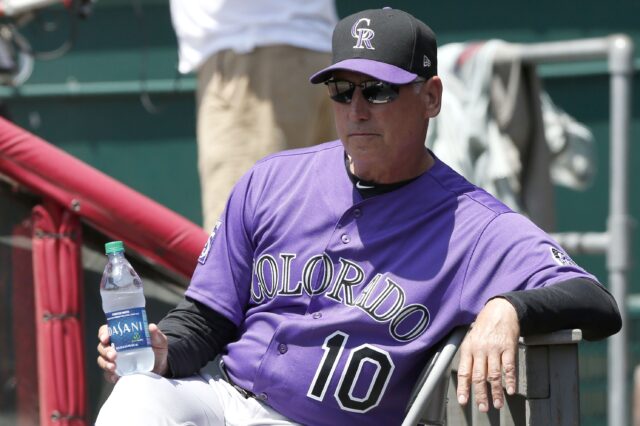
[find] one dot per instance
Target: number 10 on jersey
(333, 347)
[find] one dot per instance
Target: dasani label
(128, 329)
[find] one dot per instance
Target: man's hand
(488, 350)
(107, 355)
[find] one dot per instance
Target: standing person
(334, 269)
(253, 59)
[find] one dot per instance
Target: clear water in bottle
(124, 306)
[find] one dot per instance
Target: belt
(246, 393)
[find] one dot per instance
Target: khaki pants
(251, 105)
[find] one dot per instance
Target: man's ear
(432, 95)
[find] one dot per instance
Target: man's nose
(359, 106)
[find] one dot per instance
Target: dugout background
(116, 102)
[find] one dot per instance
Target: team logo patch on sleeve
(205, 251)
(561, 258)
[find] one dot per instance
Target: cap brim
(379, 70)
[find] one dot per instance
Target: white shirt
(204, 27)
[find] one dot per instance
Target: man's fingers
(494, 377)
(479, 380)
(160, 345)
(509, 368)
(106, 355)
(464, 376)
(107, 361)
(103, 334)
(478, 369)
(493, 342)
(158, 339)
(107, 366)
(111, 377)
(107, 351)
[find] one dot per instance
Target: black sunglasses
(374, 91)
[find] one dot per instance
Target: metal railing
(615, 242)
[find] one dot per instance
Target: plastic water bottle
(124, 306)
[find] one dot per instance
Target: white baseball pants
(150, 399)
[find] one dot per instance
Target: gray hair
(417, 84)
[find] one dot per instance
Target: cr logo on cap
(363, 35)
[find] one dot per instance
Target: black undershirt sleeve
(196, 334)
(576, 303)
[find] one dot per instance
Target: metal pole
(583, 242)
(100, 88)
(441, 367)
(618, 49)
(619, 223)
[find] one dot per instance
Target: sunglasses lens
(341, 91)
(375, 92)
(379, 92)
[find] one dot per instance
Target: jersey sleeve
(513, 254)
(222, 278)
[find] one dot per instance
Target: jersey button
(317, 315)
(282, 348)
(345, 238)
(262, 397)
(357, 213)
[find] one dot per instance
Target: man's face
(385, 142)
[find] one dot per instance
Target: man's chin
(364, 166)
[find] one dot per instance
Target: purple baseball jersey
(337, 298)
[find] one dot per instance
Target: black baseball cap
(388, 44)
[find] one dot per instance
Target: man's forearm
(576, 303)
(196, 335)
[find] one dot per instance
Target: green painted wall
(89, 103)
